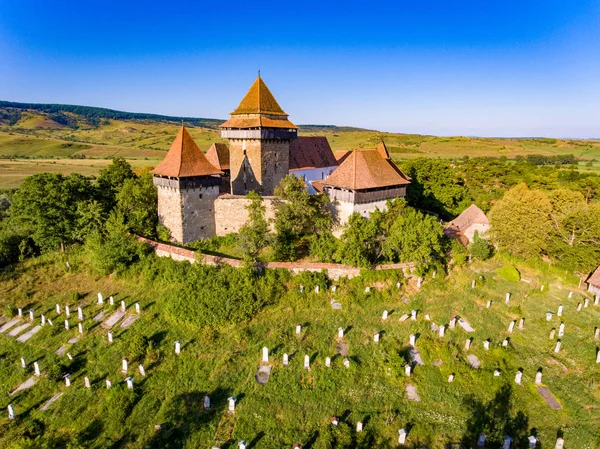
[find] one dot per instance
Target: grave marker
(23, 364)
(376, 337)
(11, 412)
(419, 282)
(68, 380)
(368, 290)
(538, 378)
(100, 298)
(481, 440)
(570, 295)
(511, 326)
(384, 315)
(549, 316)
(129, 381)
(317, 289)
(473, 284)
(347, 363)
(451, 378)
(467, 344)
(79, 313)
(552, 332)
(206, 402)
(327, 362)
(69, 356)
(452, 323)
(441, 331)
(177, 347)
(579, 307)
(19, 312)
(413, 315)
(108, 384)
(80, 326)
(561, 330)
(596, 300)
(111, 301)
(67, 324)
(489, 304)
(137, 308)
(306, 362)
(142, 370)
(486, 344)
(123, 307)
(265, 355)
(36, 369)
(334, 420)
(518, 377)
(521, 324)
(586, 302)
(58, 309)
(497, 373)
(285, 360)
(231, 404)
(598, 357)
(124, 365)
(596, 333)
(402, 437)
(507, 299)
(31, 315)
(505, 343)
(532, 439)
(43, 319)
(86, 381)
(67, 312)
(560, 310)
(407, 370)
(507, 442)
(341, 332)
(110, 337)
(359, 427)
(557, 347)
(298, 328)
(411, 339)
(242, 445)
(560, 444)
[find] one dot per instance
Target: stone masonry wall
(334, 271)
(169, 211)
(230, 212)
(266, 162)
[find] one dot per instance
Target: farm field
(295, 405)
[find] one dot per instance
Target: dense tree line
(50, 211)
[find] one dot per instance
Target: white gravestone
(177, 347)
(532, 439)
(473, 284)
(586, 302)
(384, 315)
(560, 444)
(111, 301)
(327, 362)
(31, 315)
(110, 337)
(518, 377)
(36, 369)
(579, 307)
(11, 412)
(368, 290)
(549, 316)
(20, 312)
(306, 362)
(124, 365)
(142, 370)
(265, 355)
(441, 331)
(334, 288)
(58, 309)
(206, 402)
(570, 295)
(43, 320)
(561, 330)
(100, 298)
(557, 347)
(407, 370)
(497, 373)
(467, 344)
(560, 310)
(242, 445)
(411, 339)
(123, 306)
(521, 324)
(596, 300)
(67, 312)
(69, 356)
(317, 289)
(50, 322)
(538, 378)
(486, 345)
(79, 313)
(23, 364)
(552, 332)
(86, 381)
(481, 440)
(511, 326)
(231, 404)
(359, 427)
(597, 333)
(506, 444)
(376, 337)
(137, 308)
(298, 328)
(129, 381)
(505, 343)
(66, 324)
(452, 323)
(507, 299)
(402, 437)
(413, 315)
(108, 384)
(451, 378)
(285, 360)
(80, 326)
(341, 332)
(419, 282)
(68, 380)
(347, 363)
(598, 357)
(489, 304)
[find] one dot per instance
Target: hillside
(165, 408)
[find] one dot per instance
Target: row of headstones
(507, 441)
(367, 289)
(286, 359)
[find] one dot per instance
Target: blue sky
(491, 68)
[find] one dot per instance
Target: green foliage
(10, 310)
(112, 178)
(253, 236)
(56, 371)
(310, 279)
(90, 219)
(480, 248)
(114, 249)
(458, 252)
(46, 207)
(435, 187)
(520, 222)
(335, 437)
(138, 202)
(138, 347)
(510, 273)
(323, 247)
(298, 215)
(163, 234)
(358, 245)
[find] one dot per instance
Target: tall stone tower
(259, 134)
(188, 185)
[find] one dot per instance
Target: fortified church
(200, 196)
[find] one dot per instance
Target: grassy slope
(224, 363)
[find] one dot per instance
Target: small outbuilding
(464, 226)
(593, 282)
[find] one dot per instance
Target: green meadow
(165, 408)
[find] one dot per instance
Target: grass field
(35, 135)
(296, 404)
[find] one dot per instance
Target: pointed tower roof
(382, 149)
(185, 159)
(259, 100)
(366, 169)
(218, 155)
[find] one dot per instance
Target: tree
(298, 215)
(520, 222)
(45, 207)
(414, 237)
(253, 236)
(138, 202)
(358, 245)
(112, 179)
(480, 248)
(435, 187)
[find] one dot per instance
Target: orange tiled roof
(218, 155)
(259, 100)
(311, 152)
(366, 169)
(185, 159)
(594, 279)
(470, 216)
(341, 155)
(257, 121)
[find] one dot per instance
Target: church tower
(187, 185)
(259, 134)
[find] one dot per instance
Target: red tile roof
(470, 216)
(366, 169)
(259, 100)
(218, 155)
(185, 159)
(311, 152)
(594, 279)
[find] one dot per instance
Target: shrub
(480, 248)
(509, 273)
(10, 310)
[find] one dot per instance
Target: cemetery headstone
(359, 427)
(549, 316)
(137, 308)
(486, 345)
(111, 301)
(452, 323)
(368, 290)
(36, 369)
(341, 332)
(507, 442)
(123, 306)
(497, 373)
(347, 363)
(80, 326)
(231, 404)
(317, 289)
(521, 324)
(552, 332)
(411, 339)
(177, 347)
(441, 331)
(511, 326)
(79, 313)
(473, 284)
(11, 412)
(579, 307)
(467, 344)
(110, 337)
(507, 299)
(538, 378)
(129, 381)
(532, 440)
(69, 356)
(68, 380)
(58, 309)
(67, 324)
(407, 370)
(561, 330)
(586, 302)
(86, 381)
(402, 437)
(376, 337)
(560, 310)
(43, 319)
(298, 328)
(265, 355)
(19, 312)
(306, 362)
(100, 298)
(419, 282)
(481, 440)
(489, 304)
(413, 315)
(570, 295)
(206, 402)
(596, 333)
(518, 377)
(384, 315)
(285, 360)
(505, 343)
(108, 384)
(327, 362)
(31, 315)
(451, 378)
(560, 444)
(124, 365)
(557, 347)
(142, 370)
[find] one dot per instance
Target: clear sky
(486, 68)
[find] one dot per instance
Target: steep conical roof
(259, 100)
(185, 159)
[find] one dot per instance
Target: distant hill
(11, 113)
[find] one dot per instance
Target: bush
(509, 273)
(480, 248)
(56, 371)
(10, 310)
